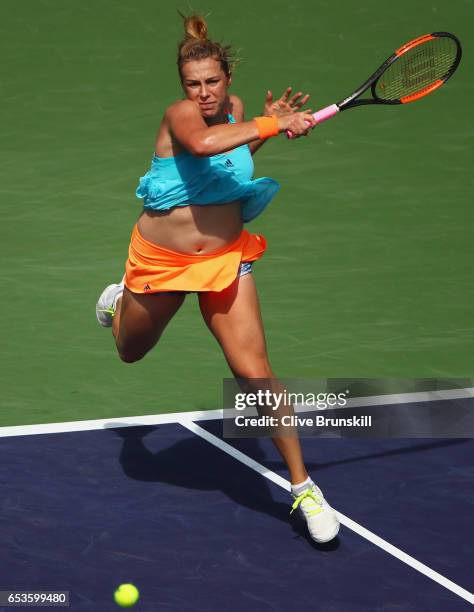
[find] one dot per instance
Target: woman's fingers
(289, 103)
(303, 101)
(297, 101)
(299, 124)
(294, 98)
(286, 94)
(308, 117)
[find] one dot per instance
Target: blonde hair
(196, 45)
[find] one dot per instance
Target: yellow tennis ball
(126, 595)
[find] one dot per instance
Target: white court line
(362, 531)
(411, 398)
(207, 415)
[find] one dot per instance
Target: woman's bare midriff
(193, 229)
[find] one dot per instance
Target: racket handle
(326, 113)
(321, 115)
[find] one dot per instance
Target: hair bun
(195, 27)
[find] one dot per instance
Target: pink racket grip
(322, 115)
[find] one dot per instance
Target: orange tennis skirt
(151, 268)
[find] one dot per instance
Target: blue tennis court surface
(195, 529)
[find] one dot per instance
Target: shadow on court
(215, 471)
(417, 448)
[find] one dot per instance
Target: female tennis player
(190, 238)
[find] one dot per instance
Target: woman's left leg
(233, 316)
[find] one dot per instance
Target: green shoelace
(110, 311)
(310, 495)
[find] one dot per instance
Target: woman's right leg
(140, 319)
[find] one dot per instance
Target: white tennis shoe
(322, 521)
(107, 304)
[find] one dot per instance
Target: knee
(129, 355)
(255, 370)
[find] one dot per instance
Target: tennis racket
(415, 70)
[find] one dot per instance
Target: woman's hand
(284, 104)
(298, 124)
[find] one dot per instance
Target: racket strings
(416, 69)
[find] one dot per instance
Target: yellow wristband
(267, 126)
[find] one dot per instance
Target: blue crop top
(187, 179)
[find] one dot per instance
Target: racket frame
(352, 101)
